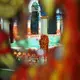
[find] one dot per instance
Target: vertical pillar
(58, 21)
(15, 30)
(29, 28)
(39, 31)
(58, 27)
(1, 21)
(39, 28)
(0, 24)
(44, 24)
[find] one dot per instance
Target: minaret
(58, 21)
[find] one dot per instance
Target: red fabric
(21, 73)
(6, 51)
(3, 36)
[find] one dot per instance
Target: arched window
(34, 18)
(55, 23)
